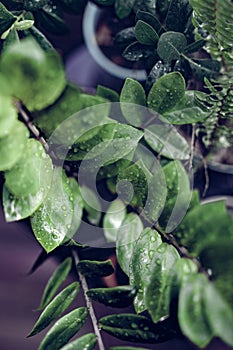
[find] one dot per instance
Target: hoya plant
(111, 170)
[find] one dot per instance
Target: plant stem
(89, 303)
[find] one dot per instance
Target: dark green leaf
(56, 307)
(123, 8)
(31, 5)
(205, 68)
(140, 265)
(194, 46)
(32, 172)
(170, 45)
(145, 5)
(191, 310)
(125, 37)
(74, 7)
(145, 33)
(134, 328)
(132, 95)
(126, 348)
(64, 329)
(178, 195)
(6, 19)
(55, 281)
(86, 342)
(166, 92)
(166, 140)
(50, 19)
(156, 72)
(113, 218)
(126, 237)
(8, 116)
(118, 297)
(12, 146)
(92, 268)
(42, 74)
(219, 314)
(91, 204)
(107, 93)
(40, 38)
(178, 15)
(149, 19)
(52, 221)
(157, 293)
(137, 51)
(186, 111)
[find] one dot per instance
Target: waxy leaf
(149, 19)
(52, 221)
(186, 111)
(166, 140)
(32, 172)
(56, 307)
(12, 146)
(91, 204)
(107, 93)
(8, 116)
(118, 297)
(42, 74)
(127, 235)
(57, 278)
(64, 329)
(170, 46)
(157, 293)
(123, 8)
(178, 14)
(92, 268)
(134, 328)
(78, 208)
(192, 317)
(126, 348)
(140, 265)
(166, 92)
(136, 51)
(113, 218)
(132, 95)
(86, 342)
(6, 19)
(145, 33)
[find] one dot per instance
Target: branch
(89, 303)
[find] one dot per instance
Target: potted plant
(111, 170)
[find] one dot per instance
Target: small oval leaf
(118, 297)
(86, 342)
(92, 268)
(113, 218)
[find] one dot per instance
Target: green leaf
(56, 307)
(40, 38)
(136, 52)
(127, 235)
(12, 146)
(55, 281)
(78, 208)
(186, 111)
(145, 33)
(178, 195)
(133, 184)
(202, 226)
(118, 297)
(92, 268)
(8, 116)
(64, 329)
(86, 342)
(157, 293)
(42, 74)
(140, 265)
(32, 172)
(50, 19)
(73, 7)
(124, 37)
(219, 314)
(113, 218)
(91, 204)
(131, 99)
(123, 8)
(166, 140)
(109, 94)
(12, 38)
(205, 68)
(125, 348)
(31, 5)
(178, 14)
(171, 45)
(52, 221)
(166, 92)
(149, 19)
(191, 311)
(6, 19)
(145, 5)
(134, 328)
(155, 203)
(24, 24)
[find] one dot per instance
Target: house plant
(170, 250)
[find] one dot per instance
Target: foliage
(56, 141)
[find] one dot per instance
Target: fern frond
(214, 20)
